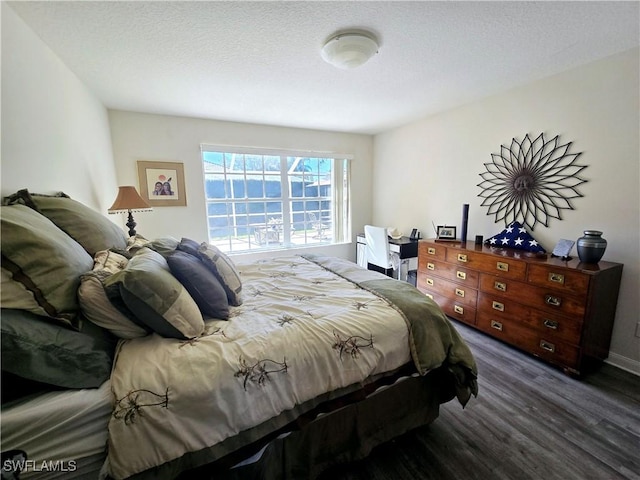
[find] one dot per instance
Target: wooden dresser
(560, 311)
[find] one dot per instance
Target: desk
(404, 246)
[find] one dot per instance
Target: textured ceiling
(259, 62)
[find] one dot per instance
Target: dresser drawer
(454, 309)
(553, 301)
(571, 281)
(458, 274)
(552, 326)
(500, 285)
(462, 294)
(501, 307)
(549, 348)
(555, 326)
(506, 267)
(431, 250)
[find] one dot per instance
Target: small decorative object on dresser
(591, 247)
(559, 310)
(563, 249)
(446, 232)
(465, 222)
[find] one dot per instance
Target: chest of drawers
(560, 311)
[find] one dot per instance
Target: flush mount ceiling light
(349, 50)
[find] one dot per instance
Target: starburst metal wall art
(531, 181)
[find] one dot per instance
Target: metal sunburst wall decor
(531, 181)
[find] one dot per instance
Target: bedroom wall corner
(55, 132)
(596, 106)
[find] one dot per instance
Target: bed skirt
(319, 440)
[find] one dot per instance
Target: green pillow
(164, 245)
(156, 297)
(37, 349)
(45, 261)
(89, 228)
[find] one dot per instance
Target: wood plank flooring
(530, 421)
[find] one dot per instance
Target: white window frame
(288, 237)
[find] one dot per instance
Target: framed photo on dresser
(446, 232)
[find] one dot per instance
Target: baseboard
(627, 364)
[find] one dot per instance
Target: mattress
(64, 433)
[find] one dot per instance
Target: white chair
(317, 225)
(377, 250)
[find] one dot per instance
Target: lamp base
(132, 225)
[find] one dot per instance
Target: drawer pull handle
(500, 286)
(502, 266)
(552, 324)
(431, 251)
(461, 275)
(430, 266)
(556, 278)
(496, 325)
(498, 306)
(549, 347)
(462, 257)
(428, 295)
(553, 301)
(460, 292)
(430, 282)
(458, 309)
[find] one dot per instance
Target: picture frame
(162, 183)
(446, 232)
(563, 249)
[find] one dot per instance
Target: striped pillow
(224, 269)
(43, 261)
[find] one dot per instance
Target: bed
(180, 361)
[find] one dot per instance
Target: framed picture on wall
(162, 183)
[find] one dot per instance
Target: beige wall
(164, 138)
(56, 136)
(55, 132)
(425, 171)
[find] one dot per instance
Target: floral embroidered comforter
(308, 328)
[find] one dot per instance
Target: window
(258, 199)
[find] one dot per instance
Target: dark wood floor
(530, 421)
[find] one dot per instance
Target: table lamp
(128, 200)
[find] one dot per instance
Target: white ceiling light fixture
(350, 49)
